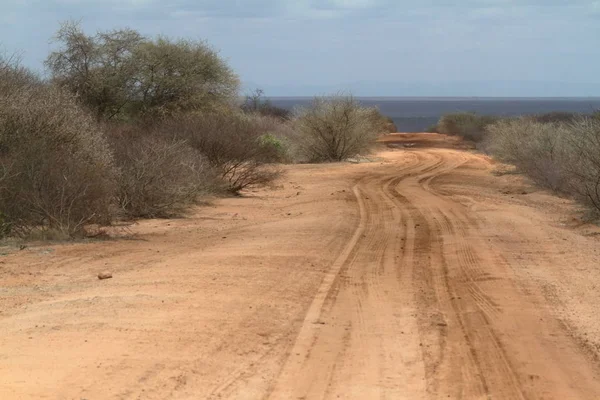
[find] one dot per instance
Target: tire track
(418, 306)
(308, 334)
(348, 355)
(450, 297)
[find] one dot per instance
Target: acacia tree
(182, 75)
(122, 74)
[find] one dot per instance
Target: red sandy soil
(423, 274)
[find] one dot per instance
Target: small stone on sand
(104, 275)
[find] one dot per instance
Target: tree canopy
(123, 74)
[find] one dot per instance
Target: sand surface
(423, 274)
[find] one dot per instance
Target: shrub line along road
(421, 275)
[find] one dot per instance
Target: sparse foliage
(122, 74)
(432, 129)
(537, 149)
(470, 126)
(556, 117)
(233, 144)
(57, 170)
(182, 76)
(584, 169)
(336, 128)
(257, 103)
(160, 175)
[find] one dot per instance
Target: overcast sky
(374, 47)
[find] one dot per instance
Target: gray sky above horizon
(373, 47)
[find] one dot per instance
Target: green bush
(273, 145)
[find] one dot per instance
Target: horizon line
(436, 97)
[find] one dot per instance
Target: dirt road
(421, 275)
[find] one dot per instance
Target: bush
(556, 117)
(235, 145)
(14, 77)
(538, 149)
(57, 169)
(273, 145)
(160, 176)
(432, 129)
(584, 170)
(470, 126)
(387, 124)
(336, 128)
(564, 157)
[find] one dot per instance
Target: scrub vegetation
(127, 126)
(559, 151)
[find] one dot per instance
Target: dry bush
(467, 125)
(564, 157)
(14, 77)
(540, 150)
(336, 128)
(160, 176)
(381, 123)
(390, 125)
(235, 145)
(584, 142)
(556, 117)
(257, 103)
(57, 169)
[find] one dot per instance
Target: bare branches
(335, 128)
(160, 175)
(57, 169)
(561, 156)
(232, 145)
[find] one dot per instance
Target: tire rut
(418, 306)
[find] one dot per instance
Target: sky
(368, 47)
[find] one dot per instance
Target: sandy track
(422, 276)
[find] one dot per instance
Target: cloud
(205, 8)
(303, 9)
(321, 42)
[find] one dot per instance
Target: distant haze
(417, 114)
(369, 47)
(437, 89)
